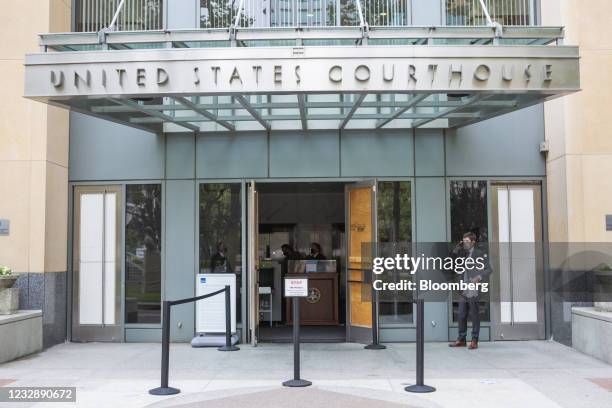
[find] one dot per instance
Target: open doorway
(302, 222)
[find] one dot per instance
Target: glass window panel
(94, 15)
(222, 13)
(468, 207)
(394, 225)
(311, 13)
(220, 243)
(505, 12)
(349, 15)
(469, 213)
(385, 12)
(394, 211)
(143, 253)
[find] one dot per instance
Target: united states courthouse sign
(490, 69)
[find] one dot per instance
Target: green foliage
(5, 271)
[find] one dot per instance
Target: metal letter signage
(229, 71)
(482, 73)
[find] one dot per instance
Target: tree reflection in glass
(394, 201)
(469, 213)
(143, 253)
(220, 244)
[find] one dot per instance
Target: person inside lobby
(315, 252)
(219, 262)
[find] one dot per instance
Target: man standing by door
(469, 300)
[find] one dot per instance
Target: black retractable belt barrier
(420, 386)
(164, 389)
(375, 345)
(228, 324)
(296, 381)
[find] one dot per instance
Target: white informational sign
(5, 227)
(296, 287)
(210, 312)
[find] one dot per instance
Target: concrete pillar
(34, 168)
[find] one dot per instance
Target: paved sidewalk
(502, 374)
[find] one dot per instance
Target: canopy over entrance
(273, 79)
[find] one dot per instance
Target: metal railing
(349, 36)
(146, 15)
(303, 13)
(504, 12)
(134, 15)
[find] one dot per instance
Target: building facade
(205, 134)
(34, 170)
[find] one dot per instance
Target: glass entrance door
(253, 261)
(96, 269)
(361, 231)
(519, 281)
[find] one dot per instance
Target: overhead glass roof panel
(311, 78)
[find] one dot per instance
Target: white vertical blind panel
(523, 255)
(523, 215)
(505, 289)
(91, 228)
(110, 257)
(90, 262)
(90, 293)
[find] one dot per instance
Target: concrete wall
(426, 12)
(580, 158)
(592, 332)
(577, 127)
(33, 167)
(20, 334)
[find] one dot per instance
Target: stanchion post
(375, 345)
(165, 360)
(297, 381)
(420, 386)
(228, 323)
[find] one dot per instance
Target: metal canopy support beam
(338, 117)
(363, 24)
(302, 106)
(445, 112)
(111, 27)
(247, 106)
(486, 12)
(189, 104)
(411, 103)
(354, 108)
(236, 23)
(154, 113)
(191, 38)
(310, 105)
(499, 30)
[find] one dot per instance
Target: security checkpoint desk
(320, 307)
